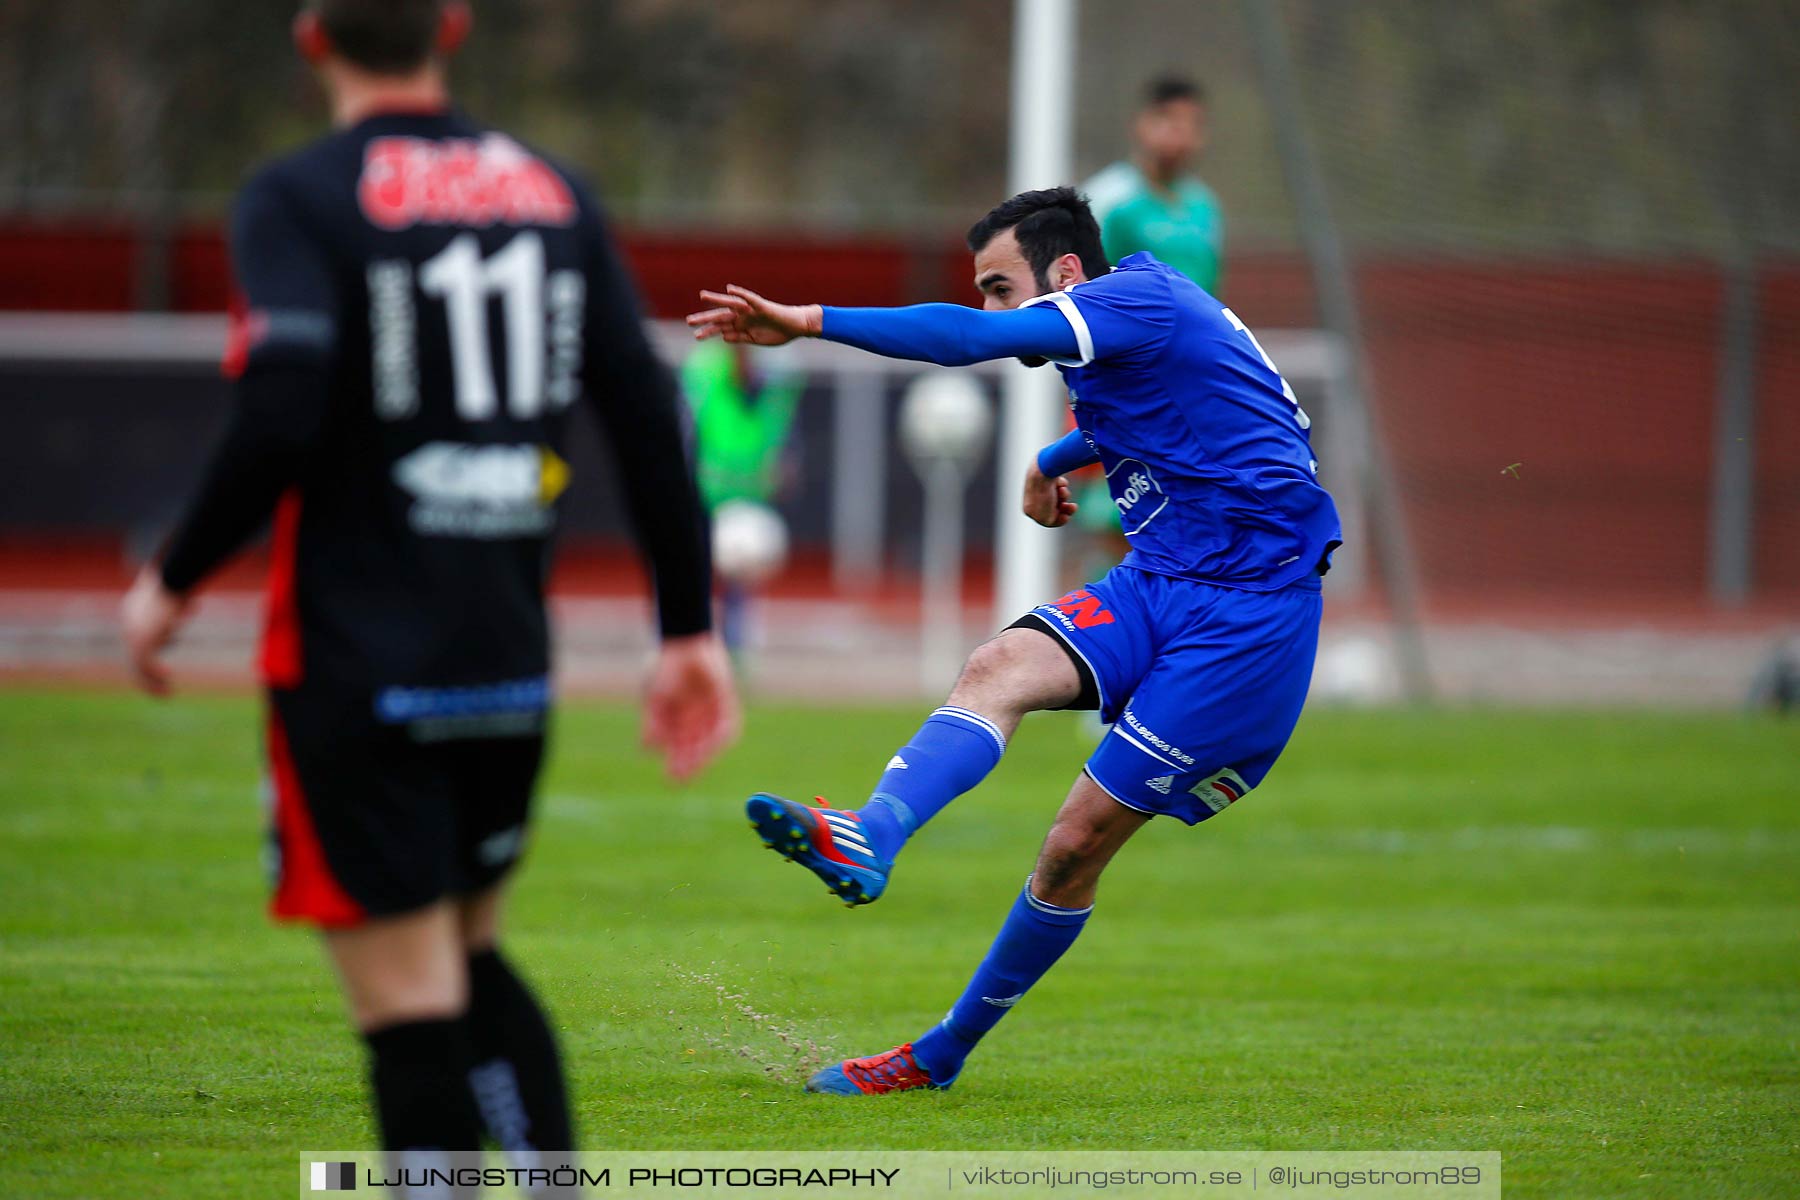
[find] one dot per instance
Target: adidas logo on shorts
(1162, 784)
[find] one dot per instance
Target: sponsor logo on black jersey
(473, 182)
(482, 491)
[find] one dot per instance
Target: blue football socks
(952, 752)
(1035, 935)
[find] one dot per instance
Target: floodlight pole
(1043, 87)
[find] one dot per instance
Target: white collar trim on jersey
(1084, 339)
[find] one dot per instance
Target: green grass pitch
(1572, 938)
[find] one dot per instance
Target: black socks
(419, 1072)
(439, 1083)
(516, 1078)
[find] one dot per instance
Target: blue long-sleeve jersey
(1205, 448)
(950, 334)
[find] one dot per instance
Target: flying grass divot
(783, 1052)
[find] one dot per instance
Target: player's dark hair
(1049, 223)
(1166, 88)
(388, 37)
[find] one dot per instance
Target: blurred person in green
(742, 420)
(1152, 201)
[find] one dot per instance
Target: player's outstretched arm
(742, 317)
(949, 335)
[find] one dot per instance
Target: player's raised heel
(826, 841)
(894, 1071)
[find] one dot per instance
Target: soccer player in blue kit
(1198, 647)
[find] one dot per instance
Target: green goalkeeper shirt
(739, 435)
(1184, 227)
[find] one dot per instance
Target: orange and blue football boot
(829, 842)
(895, 1071)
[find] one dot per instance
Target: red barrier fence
(1550, 422)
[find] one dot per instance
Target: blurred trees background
(1617, 125)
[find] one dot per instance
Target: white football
(750, 542)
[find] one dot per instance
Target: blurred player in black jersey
(423, 300)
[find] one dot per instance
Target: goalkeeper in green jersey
(741, 427)
(1153, 201)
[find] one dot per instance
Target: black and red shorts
(384, 802)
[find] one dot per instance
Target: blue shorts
(1202, 684)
